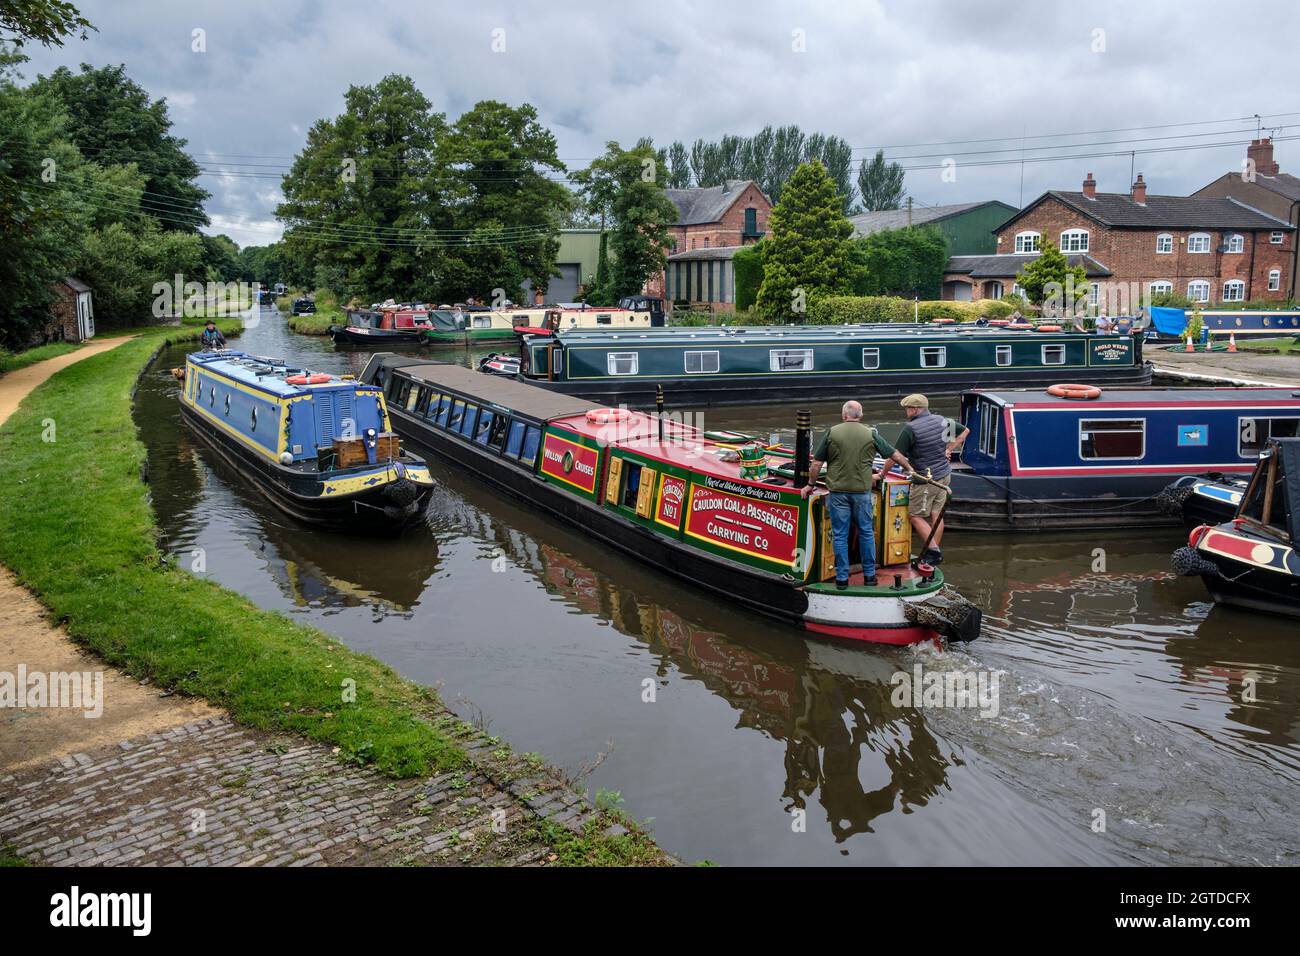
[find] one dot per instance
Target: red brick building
(1210, 249)
(72, 315)
(712, 223)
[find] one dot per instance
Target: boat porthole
(212, 396)
(1239, 321)
(1266, 320)
(227, 404)
(254, 419)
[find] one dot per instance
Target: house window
(1003, 355)
(1236, 242)
(751, 222)
(994, 290)
(1161, 285)
(1275, 238)
(1053, 354)
(1198, 242)
(1018, 289)
(1253, 433)
(622, 363)
(1028, 242)
(934, 356)
(1112, 438)
(701, 363)
(1198, 290)
(1164, 243)
(1074, 240)
(1274, 280)
(989, 427)
(871, 358)
(1234, 290)
(791, 360)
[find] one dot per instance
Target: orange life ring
(1048, 328)
(316, 378)
(944, 321)
(1076, 392)
(1020, 325)
(606, 416)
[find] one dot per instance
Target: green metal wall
(971, 233)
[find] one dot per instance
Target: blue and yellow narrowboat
(318, 446)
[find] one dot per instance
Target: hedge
(848, 309)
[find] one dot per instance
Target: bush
(848, 309)
(1171, 300)
(748, 263)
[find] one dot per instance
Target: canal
(1135, 722)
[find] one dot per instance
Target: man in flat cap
(928, 441)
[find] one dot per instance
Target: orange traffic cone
(1189, 343)
(1232, 341)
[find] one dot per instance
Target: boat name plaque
(762, 530)
(570, 463)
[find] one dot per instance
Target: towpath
(1228, 368)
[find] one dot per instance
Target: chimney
(1090, 188)
(1139, 193)
(1260, 153)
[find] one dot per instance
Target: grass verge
(13, 361)
(1282, 346)
(76, 527)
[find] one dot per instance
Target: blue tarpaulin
(1167, 321)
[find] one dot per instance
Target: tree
(628, 186)
(113, 121)
(1051, 277)
(880, 183)
(903, 262)
(748, 266)
(770, 157)
(45, 21)
(220, 258)
(679, 167)
(807, 253)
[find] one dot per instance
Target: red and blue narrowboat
(320, 447)
(669, 495)
(383, 328)
(1253, 560)
(1043, 460)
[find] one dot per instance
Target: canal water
(1135, 722)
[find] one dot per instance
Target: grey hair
(852, 411)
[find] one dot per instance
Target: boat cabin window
(515, 440)
(632, 484)
(457, 415)
(212, 396)
(1003, 355)
(444, 409)
(791, 360)
(412, 397)
(989, 428)
(1112, 438)
(531, 438)
(1253, 433)
(934, 356)
(467, 423)
(1053, 354)
(623, 363)
(497, 438)
(401, 391)
(701, 362)
(484, 426)
(482, 321)
(252, 424)
(604, 318)
(422, 400)
(227, 403)
(871, 358)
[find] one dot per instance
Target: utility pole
(909, 212)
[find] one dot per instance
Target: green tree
(679, 167)
(113, 121)
(770, 157)
(628, 187)
(1050, 277)
(880, 183)
(807, 253)
(748, 266)
(902, 262)
(220, 258)
(47, 22)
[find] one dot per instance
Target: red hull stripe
(875, 635)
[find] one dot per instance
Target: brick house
(991, 277)
(1212, 250)
(712, 223)
(1261, 184)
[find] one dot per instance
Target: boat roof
(538, 403)
(775, 334)
(1145, 397)
(267, 374)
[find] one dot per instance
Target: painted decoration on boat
(1193, 436)
(672, 495)
(1117, 351)
(760, 529)
(571, 463)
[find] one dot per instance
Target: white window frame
(611, 358)
(481, 321)
(1018, 289)
(943, 355)
(1143, 430)
(1032, 242)
(1276, 237)
(1198, 298)
(1270, 419)
(990, 420)
(774, 362)
(1165, 238)
(1161, 285)
(1234, 239)
(872, 353)
(1237, 286)
(1000, 351)
(1199, 239)
(1070, 241)
(1274, 280)
(1043, 354)
(703, 369)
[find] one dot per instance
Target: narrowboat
(1036, 460)
(475, 324)
(1202, 499)
(747, 365)
(1169, 323)
(382, 329)
(303, 306)
(1253, 560)
(664, 493)
(318, 446)
(497, 364)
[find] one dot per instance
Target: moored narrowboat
(1202, 499)
(1253, 560)
(384, 328)
(319, 447)
(688, 505)
(1034, 460)
(476, 324)
(1171, 324)
(746, 365)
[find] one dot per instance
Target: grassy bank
(1281, 346)
(328, 312)
(13, 361)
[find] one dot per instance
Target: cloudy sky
(922, 78)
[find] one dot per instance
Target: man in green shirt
(848, 450)
(929, 440)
